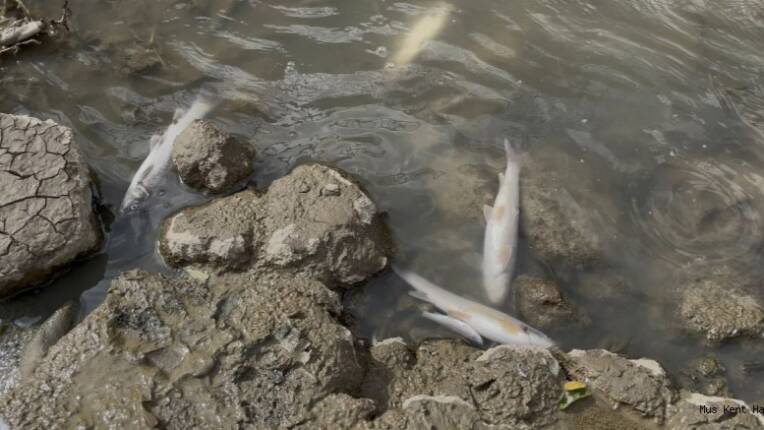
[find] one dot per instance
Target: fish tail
(511, 153)
(423, 289)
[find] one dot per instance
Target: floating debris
(18, 28)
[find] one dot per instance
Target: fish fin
(512, 157)
(455, 325)
(419, 295)
(154, 141)
(177, 114)
(487, 213)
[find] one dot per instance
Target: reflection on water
(655, 106)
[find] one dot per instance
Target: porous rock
(209, 159)
(296, 226)
(458, 385)
(568, 223)
(46, 213)
(717, 305)
(178, 354)
(718, 413)
(542, 304)
(641, 386)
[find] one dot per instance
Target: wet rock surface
(459, 385)
(720, 414)
(704, 375)
(719, 305)
(12, 342)
(209, 159)
(567, 223)
(46, 214)
(641, 387)
(156, 352)
(313, 220)
(542, 304)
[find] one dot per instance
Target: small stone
(209, 159)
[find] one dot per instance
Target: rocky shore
(250, 333)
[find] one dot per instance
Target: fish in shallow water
(500, 241)
(473, 320)
(149, 177)
(424, 30)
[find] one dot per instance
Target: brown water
(660, 101)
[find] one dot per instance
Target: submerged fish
(154, 168)
(473, 320)
(425, 29)
(500, 241)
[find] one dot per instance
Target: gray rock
(336, 238)
(453, 382)
(264, 351)
(337, 411)
(46, 335)
(640, 386)
(704, 375)
(46, 214)
(727, 414)
(716, 305)
(12, 342)
(567, 222)
(542, 304)
(209, 159)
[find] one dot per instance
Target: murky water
(659, 103)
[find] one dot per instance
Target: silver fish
(500, 241)
(473, 320)
(154, 168)
(427, 28)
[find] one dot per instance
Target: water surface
(654, 107)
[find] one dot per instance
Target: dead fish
(424, 30)
(500, 241)
(22, 29)
(473, 320)
(148, 178)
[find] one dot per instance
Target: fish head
(535, 337)
(135, 198)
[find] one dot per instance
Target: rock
(221, 233)
(12, 342)
(717, 306)
(338, 411)
(459, 189)
(265, 351)
(46, 214)
(596, 417)
(542, 305)
(641, 386)
(719, 414)
(209, 159)
(704, 375)
(458, 385)
(339, 238)
(46, 335)
(567, 223)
